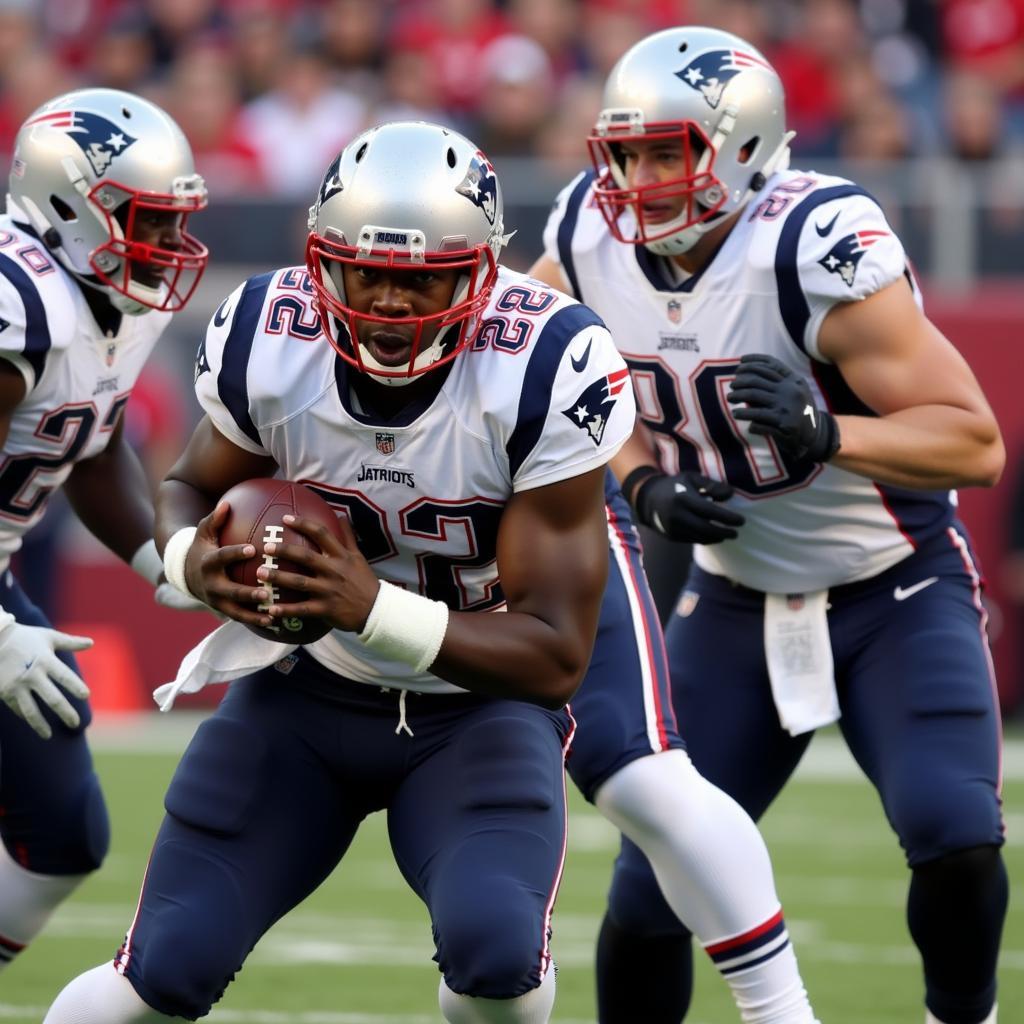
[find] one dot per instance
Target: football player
(802, 423)
(460, 419)
(94, 258)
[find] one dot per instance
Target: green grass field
(358, 952)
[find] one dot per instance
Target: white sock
(102, 996)
(713, 868)
(533, 1007)
(26, 902)
(929, 1018)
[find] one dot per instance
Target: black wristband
(634, 478)
(830, 441)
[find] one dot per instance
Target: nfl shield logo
(794, 602)
(386, 443)
(111, 352)
(675, 311)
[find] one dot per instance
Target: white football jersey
(541, 395)
(811, 242)
(78, 379)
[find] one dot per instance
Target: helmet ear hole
(452, 160)
(62, 209)
(748, 149)
(361, 152)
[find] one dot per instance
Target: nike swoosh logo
(827, 229)
(220, 317)
(902, 594)
(579, 365)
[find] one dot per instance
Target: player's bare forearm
(110, 494)
(553, 560)
(515, 655)
(934, 428)
(208, 467)
(924, 448)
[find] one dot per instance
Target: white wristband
(147, 563)
(175, 553)
(405, 626)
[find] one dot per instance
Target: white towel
(799, 655)
(228, 652)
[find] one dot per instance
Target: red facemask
(182, 266)
(613, 198)
(457, 322)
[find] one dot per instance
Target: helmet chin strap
(129, 303)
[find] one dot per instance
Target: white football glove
(30, 672)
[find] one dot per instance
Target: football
(256, 517)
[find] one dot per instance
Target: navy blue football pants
(916, 691)
(269, 795)
(53, 820)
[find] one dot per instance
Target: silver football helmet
(721, 100)
(407, 195)
(90, 168)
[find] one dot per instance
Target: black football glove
(687, 508)
(779, 404)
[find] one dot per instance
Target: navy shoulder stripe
(792, 301)
(568, 228)
(232, 381)
(37, 328)
(539, 379)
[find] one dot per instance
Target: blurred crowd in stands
(269, 90)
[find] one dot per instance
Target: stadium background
(922, 101)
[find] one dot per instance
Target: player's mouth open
(389, 349)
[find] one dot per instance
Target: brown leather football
(256, 517)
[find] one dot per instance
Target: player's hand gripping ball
(256, 517)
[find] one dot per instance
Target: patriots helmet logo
(331, 185)
(98, 138)
(844, 257)
(480, 186)
(591, 410)
(710, 72)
